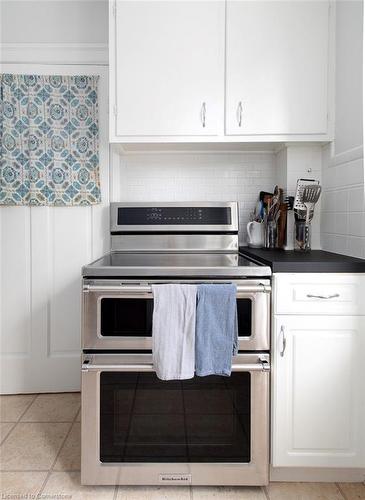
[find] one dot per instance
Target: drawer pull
(239, 114)
(203, 114)
(310, 296)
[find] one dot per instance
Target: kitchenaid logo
(175, 478)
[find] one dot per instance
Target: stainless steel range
(137, 429)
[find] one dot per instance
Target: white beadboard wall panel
(70, 233)
(16, 302)
(343, 200)
(343, 212)
(195, 176)
(41, 273)
(42, 252)
(348, 75)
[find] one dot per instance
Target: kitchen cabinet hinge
(114, 8)
(115, 110)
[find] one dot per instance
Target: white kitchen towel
(173, 331)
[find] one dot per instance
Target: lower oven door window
(204, 419)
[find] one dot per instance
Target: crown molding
(54, 53)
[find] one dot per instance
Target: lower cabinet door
(318, 391)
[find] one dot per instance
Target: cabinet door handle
(239, 114)
(203, 114)
(283, 341)
(310, 296)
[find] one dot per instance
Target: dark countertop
(315, 261)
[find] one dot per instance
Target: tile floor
(40, 455)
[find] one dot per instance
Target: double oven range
(137, 429)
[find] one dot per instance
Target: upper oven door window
(244, 317)
(132, 317)
(126, 317)
(121, 318)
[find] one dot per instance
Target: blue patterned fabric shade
(49, 140)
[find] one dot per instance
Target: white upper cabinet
(216, 71)
(276, 67)
(167, 68)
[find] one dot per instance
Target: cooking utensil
(298, 201)
(282, 224)
(263, 195)
(289, 202)
(310, 196)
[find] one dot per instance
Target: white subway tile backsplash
(195, 177)
(356, 200)
(335, 201)
(356, 224)
(334, 243)
(356, 247)
(334, 222)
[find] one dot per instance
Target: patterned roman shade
(49, 140)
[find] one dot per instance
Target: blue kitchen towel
(216, 329)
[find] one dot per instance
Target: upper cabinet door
(276, 67)
(167, 68)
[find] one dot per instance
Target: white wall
(54, 21)
(300, 162)
(42, 249)
(54, 31)
(195, 176)
(343, 200)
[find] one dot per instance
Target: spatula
(310, 196)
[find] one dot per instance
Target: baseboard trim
(317, 475)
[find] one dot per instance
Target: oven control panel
(173, 215)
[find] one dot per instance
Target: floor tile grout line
(58, 453)
(340, 490)
(37, 470)
(47, 422)
(27, 408)
(9, 431)
(16, 422)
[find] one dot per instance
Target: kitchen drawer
(334, 294)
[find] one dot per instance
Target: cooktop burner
(120, 264)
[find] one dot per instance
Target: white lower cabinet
(318, 391)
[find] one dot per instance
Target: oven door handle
(143, 289)
(262, 366)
